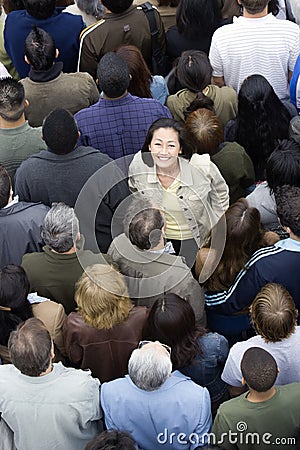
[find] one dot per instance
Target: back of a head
(143, 224)
(194, 70)
(254, 6)
(150, 366)
(287, 200)
(113, 75)
(60, 228)
(30, 347)
(117, 6)
(283, 166)
(259, 369)
(60, 131)
(196, 18)
(140, 74)
(40, 9)
(205, 126)
(5, 186)
(12, 98)
(40, 49)
(169, 313)
(273, 313)
(102, 297)
(91, 7)
(112, 440)
(244, 229)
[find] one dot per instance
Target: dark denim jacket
(207, 368)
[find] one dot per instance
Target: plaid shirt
(118, 127)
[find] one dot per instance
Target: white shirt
(265, 46)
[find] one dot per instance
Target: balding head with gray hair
(60, 228)
(150, 366)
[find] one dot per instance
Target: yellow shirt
(176, 225)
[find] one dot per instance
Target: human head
(287, 200)
(273, 313)
(5, 186)
(207, 130)
(183, 139)
(30, 347)
(60, 229)
(244, 229)
(12, 99)
(40, 49)
(112, 440)
(102, 297)
(283, 165)
(12, 5)
(149, 366)
(113, 75)
(254, 6)
(169, 313)
(143, 224)
(91, 7)
(117, 6)
(40, 9)
(259, 369)
(201, 101)
(14, 287)
(60, 131)
(197, 17)
(140, 74)
(194, 70)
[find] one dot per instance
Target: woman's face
(165, 148)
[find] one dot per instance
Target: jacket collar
(42, 76)
(185, 173)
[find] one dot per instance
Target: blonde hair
(273, 313)
(102, 297)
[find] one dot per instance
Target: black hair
(117, 6)
(40, 9)
(12, 98)
(262, 120)
(60, 131)
(185, 140)
(287, 200)
(113, 75)
(14, 306)
(112, 440)
(5, 186)
(40, 49)
(196, 18)
(283, 165)
(194, 70)
(259, 369)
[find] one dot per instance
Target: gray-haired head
(150, 366)
(60, 228)
(143, 224)
(91, 7)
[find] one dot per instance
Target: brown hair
(140, 74)
(102, 297)
(207, 130)
(244, 236)
(273, 313)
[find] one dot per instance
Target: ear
(244, 381)
(26, 103)
(278, 370)
(56, 53)
(79, 134)
(52, 354)
(42, 136)
(26, 60)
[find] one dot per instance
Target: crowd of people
(149, 224)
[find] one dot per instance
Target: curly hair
(287, 200)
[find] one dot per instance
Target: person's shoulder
(93, 30)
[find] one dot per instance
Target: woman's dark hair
(196, 18)
(200, 102)
(193, 70)
(262, 120)
(12, 5)
(283, 166)
(171, 321)
(273, 7)
(185, 140)
(14, 306)
(244, 236)
(168, 3)
(141, 77)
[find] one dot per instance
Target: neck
(48, 370)
(255, 16)
(7, 124)
(69, 252)
(293, 236)
(115, 98)
(258, 397)
(160, 246)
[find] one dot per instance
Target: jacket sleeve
(72, 348)
(219, 194)
(21, 186)
(191, 291)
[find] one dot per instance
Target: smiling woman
(187, 186)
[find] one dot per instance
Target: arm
(205, 421)
(218, 81)
(219, 194)
(235, 391)
(87, 60)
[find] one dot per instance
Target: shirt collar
(185, 173)
(289, 244)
